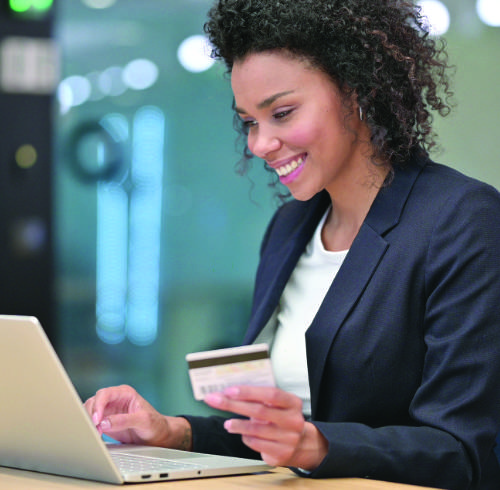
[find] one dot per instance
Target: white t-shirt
(298, 306)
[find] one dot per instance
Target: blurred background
(125, 227)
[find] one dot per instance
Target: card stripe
(219, 361)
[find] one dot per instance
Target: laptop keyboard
(129, 463)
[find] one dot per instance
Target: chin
(302, 194)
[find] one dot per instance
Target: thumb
(137, 421)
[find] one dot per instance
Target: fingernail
(95, 418)
(227, 425)
(232, 391)
(213, 399)
(105, 424)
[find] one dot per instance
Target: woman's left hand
(275, 426)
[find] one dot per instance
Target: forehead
(260, 75)
(263, 66)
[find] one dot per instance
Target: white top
(301, 299)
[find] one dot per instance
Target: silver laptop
(44, 426)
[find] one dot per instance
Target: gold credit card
(213, 371)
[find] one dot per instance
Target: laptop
(44, 426)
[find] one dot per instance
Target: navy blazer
(404, 352)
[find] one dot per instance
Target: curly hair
(379, 50)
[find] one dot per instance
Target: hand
(121, 413)
(275, 426)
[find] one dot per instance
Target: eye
(248, 123)
(282, 114)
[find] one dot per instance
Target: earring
(361, 113)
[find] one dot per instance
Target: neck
(350, 205)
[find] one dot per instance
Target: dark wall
(28, 74)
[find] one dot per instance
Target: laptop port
(163, 475)
(145, 477)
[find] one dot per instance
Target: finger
(254, 433)
(110, 400)
(255, 410)
(269, 396)
(264, 394)
(273, 452)
(89, 406)
(134, 428)
(269, 431)
(116, 424)
(141, 421)
(97, 405)
(290, 418)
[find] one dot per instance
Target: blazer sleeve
(209, 436)
(455, 411)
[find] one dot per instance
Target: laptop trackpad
(155, 452)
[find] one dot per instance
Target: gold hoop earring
(361, 115)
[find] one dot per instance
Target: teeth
(289, 168)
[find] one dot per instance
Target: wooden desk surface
(279, 478)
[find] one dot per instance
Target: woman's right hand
(121, 413)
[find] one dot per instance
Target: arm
(121, 413)
(210, 436)
(440, 336)
(444, 437)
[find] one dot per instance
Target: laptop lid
(44, 426)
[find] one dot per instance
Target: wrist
(312, 449)
(180, 434)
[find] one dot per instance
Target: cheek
(304, 135)
(250, 142)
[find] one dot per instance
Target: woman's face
(296, 122)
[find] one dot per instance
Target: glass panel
(157, 236)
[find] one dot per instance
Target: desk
(279, 478)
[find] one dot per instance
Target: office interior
(126, 227)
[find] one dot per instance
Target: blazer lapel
(352, 278)
(277, 266)
(359, 265)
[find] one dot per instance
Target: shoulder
(449, 191)
(449, 180)
(449, 196)
(452, 213)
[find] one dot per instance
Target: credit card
(213, 371)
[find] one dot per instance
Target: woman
(377, 284)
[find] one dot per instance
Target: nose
(263, 142)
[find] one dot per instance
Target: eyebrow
(266, 102)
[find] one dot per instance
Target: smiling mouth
(287, 169)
